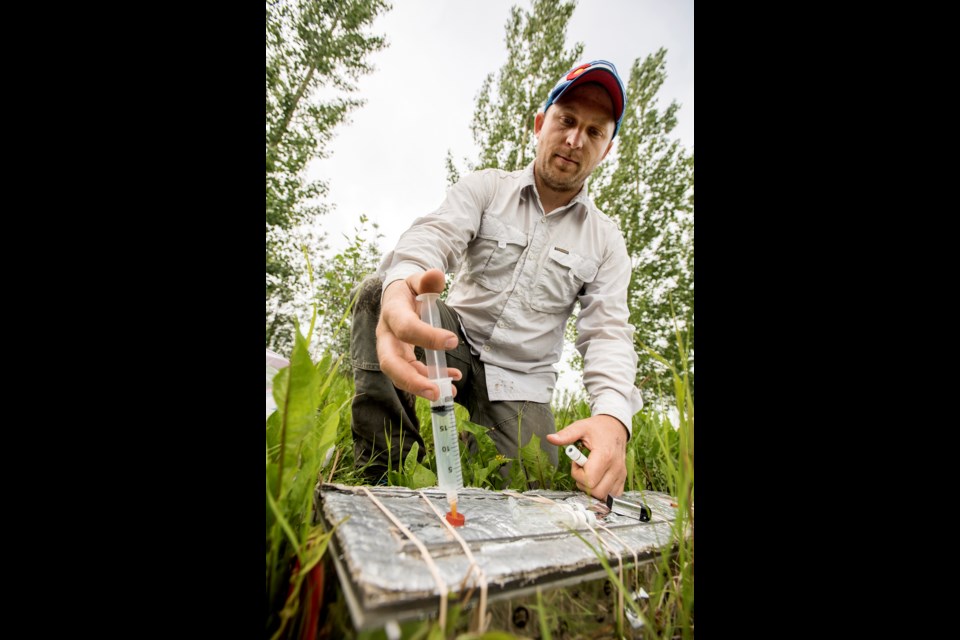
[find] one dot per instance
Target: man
(528, 245)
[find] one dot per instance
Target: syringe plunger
(430, 314)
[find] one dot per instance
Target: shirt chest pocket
(493, 255)
(562, 276)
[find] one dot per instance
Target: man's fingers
(399, 316)
(405, 376)
(411, 375)
(607, 486)
(398, 362)
(610, 484)
(432, 391)
(586, 479)
(600, 476)
(408, 327)
(430, 281)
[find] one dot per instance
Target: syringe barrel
(430, 314)
(445, 440)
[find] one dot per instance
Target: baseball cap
(600, 71)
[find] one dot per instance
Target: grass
(309, 440)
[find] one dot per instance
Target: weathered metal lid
(520, 541)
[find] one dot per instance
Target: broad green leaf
(487, 450)
(410, 464)
(296, 392)
(517, 478)
(327, 431)
(273, 434)
(536, 462)
(422, 477)
(481, 474)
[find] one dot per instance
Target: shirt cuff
(618, 408)
(399, 272)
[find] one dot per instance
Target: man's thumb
(430, 281)
(569, 435)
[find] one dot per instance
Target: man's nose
(575, 139)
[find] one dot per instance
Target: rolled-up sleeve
(438, 240)
(605, 338)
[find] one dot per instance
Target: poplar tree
(507, 103)
(649, 189)
(316, 50)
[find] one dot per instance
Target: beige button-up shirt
(520, 274)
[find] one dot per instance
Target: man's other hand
(606, 470)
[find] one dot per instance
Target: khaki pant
(382, 413)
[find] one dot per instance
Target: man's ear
(609, 146)
(538, 123)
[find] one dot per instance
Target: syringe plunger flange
(446, 393)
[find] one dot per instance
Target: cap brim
(607, 80)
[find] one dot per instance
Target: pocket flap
(493, 229)
(584, 269)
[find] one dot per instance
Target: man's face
(573, 136)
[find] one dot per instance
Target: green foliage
(315, 51)
(480, 470)
(653, 441)
(659, 457)
(536, 464)
(453, 174)
(542, 617)
(506, 104)
(648, 189)
(340, 275)
(672, 595)
(298, 435)
(412, 474)
(480, 461)
(611, 574)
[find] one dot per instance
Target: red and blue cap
(599, 71)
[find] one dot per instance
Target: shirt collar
(528, 184)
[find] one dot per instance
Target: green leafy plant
(413, 474)
(300, 437)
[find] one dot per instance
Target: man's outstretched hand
(606, 470)
(400, 328)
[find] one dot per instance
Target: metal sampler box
(519, 541)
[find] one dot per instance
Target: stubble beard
(556, 181)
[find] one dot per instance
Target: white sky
(388, 161)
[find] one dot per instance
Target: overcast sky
(388, 161)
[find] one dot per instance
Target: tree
(340, 276)
(315, 51)
(503, 119)
(648, 188)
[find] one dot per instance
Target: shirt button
(486, 347)
(500, 323)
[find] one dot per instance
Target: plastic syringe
(445, 441)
